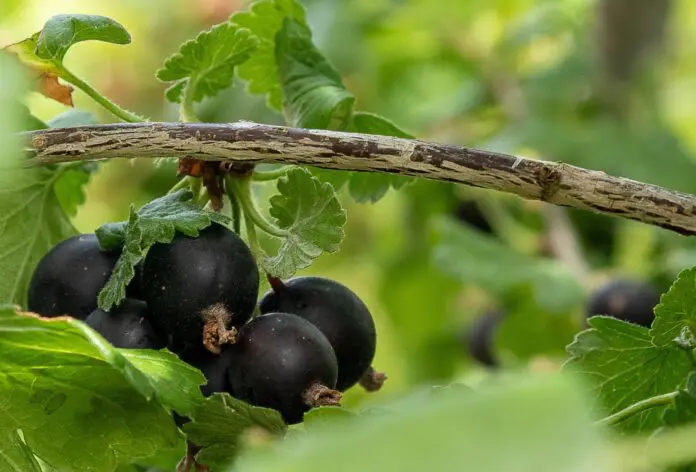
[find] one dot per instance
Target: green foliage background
(516, 76)
(440, 70)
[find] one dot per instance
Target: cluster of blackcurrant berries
(632, 301)
(196, 296)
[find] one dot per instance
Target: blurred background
(607, 84)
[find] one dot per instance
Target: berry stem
(372, 380)
(652, 402)
(215, 331)
(242, 190)
(125, 115)
(234, 205)
(275, 283)
(321, 395)
(185, 182)
(264, 176)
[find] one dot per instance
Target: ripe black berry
(208, 281)
(627, 300)
(338, 313)
(479, 337)
(469, 212)
(68, 279)
(125, 326)
(214, 368)
(284, 362)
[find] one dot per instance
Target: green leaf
(81, 403)
(326, 415)
(15, 455)
(314, 94)
(488, 432)
(219, 424)
(684, 409)
(208, 61)
(675, 316)
(264, 19)
(477, 259)
(622, 366)
(176, 383)
(28, 121)
(371, 123)
(310, 212)
(32, 221)
(72, 118)
(63, 31)
(156, 222)
(625, 363)
(69, 189)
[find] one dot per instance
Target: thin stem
(195, 186)
(181, 184)
(266, 175)
(652, 402)
(187, 112)
(242, 188)
(234, 205)
(203, 198)
(125, 115)
(252, 237)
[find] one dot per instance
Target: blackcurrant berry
(284, 362)
(126, 325)
(194, 283)
(214, 368)
(479, 337)
(68, 279)
(338, 313)
(627, 300)
(469, 212)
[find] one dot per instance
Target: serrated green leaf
(310, 212)
(81, 403)
(675, 316)
(219, 424)
(209, 61)
(684, 409)
(314, 94)
(61, 32)
(69, 189)
(124, 271)
(477, 259)
(489, 432)
(15, 455)
(265, 18)
(623, 366)
(155, 222)
(176, 383)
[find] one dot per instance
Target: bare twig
(557, 183)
